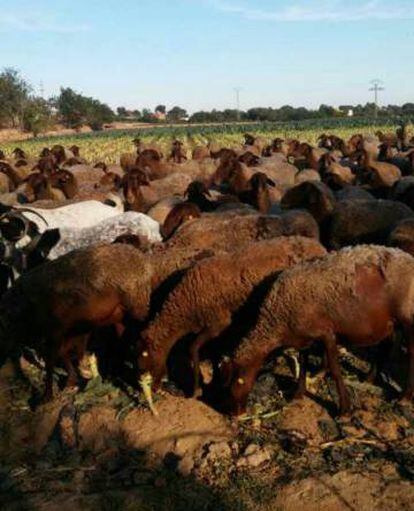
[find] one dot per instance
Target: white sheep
(106, 231)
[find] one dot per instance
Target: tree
(76, 110)
(37, 116)
(122, 111)
(162, 109)
(176, 114)
(147, 115)
(14, 94)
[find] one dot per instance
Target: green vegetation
(108, 145)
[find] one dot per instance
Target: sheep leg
(51, 357)
(409, 388)
(201, 339)
(303, 365)
(331, 348)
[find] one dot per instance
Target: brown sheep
(52, 304)
(177, 153)
(200, 153)
(210, 293)
(258, 195)
(379, 174)
(357, 294)
(179, 214)
(131, 184)
(314, 196)
(219, 232)
(65, 181)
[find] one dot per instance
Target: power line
(376, 88)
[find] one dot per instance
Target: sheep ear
(270, 182)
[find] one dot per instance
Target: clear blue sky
(193, 53)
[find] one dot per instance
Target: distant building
(160, 116)
(350, 113)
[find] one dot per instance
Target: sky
(194, 53)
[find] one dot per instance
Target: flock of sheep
(238, 251)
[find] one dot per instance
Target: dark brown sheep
(402, 236)
(362, 221)
(53, 304)
(65, 181)
(131, 185)
(177, 154)
(19, 154)
(314, 196)
(258, 195)
(358, 295)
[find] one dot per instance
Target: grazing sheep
(356, 294)
(107, 231)
(201, 153)
(379, 174)
(50, 305)
(205, 300)
(258, 195)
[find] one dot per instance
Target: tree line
(21, 108)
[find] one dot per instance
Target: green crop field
(108, 145)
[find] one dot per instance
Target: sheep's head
(64, 180)
(37, 187)
(260, 181)
(46, 164)
(314, 196)
(75, 150)
(249, 139)
(237, 382)
(249, 159)
(101, 165)
(59, 153)
(18, 153)
(131, 184)
(45, 152)
(196, 189)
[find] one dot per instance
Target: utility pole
(376, 88)
(237, 91)
(42, 89)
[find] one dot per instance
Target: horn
(146, 382)
(28, 210)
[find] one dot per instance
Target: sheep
(179, 214)
(335, 174)
(50, 305)
(362, 221)
(403, 191)
(258, 195)
(307, 175)
(212, 232)
(314, 196)
(200, 153)
(106, 231)
(379, 174)
(162, 208)
(402, 236)
(79, 215)
(177, 153)
(356, 294)
(210, 293)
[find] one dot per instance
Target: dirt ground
(101, 448)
